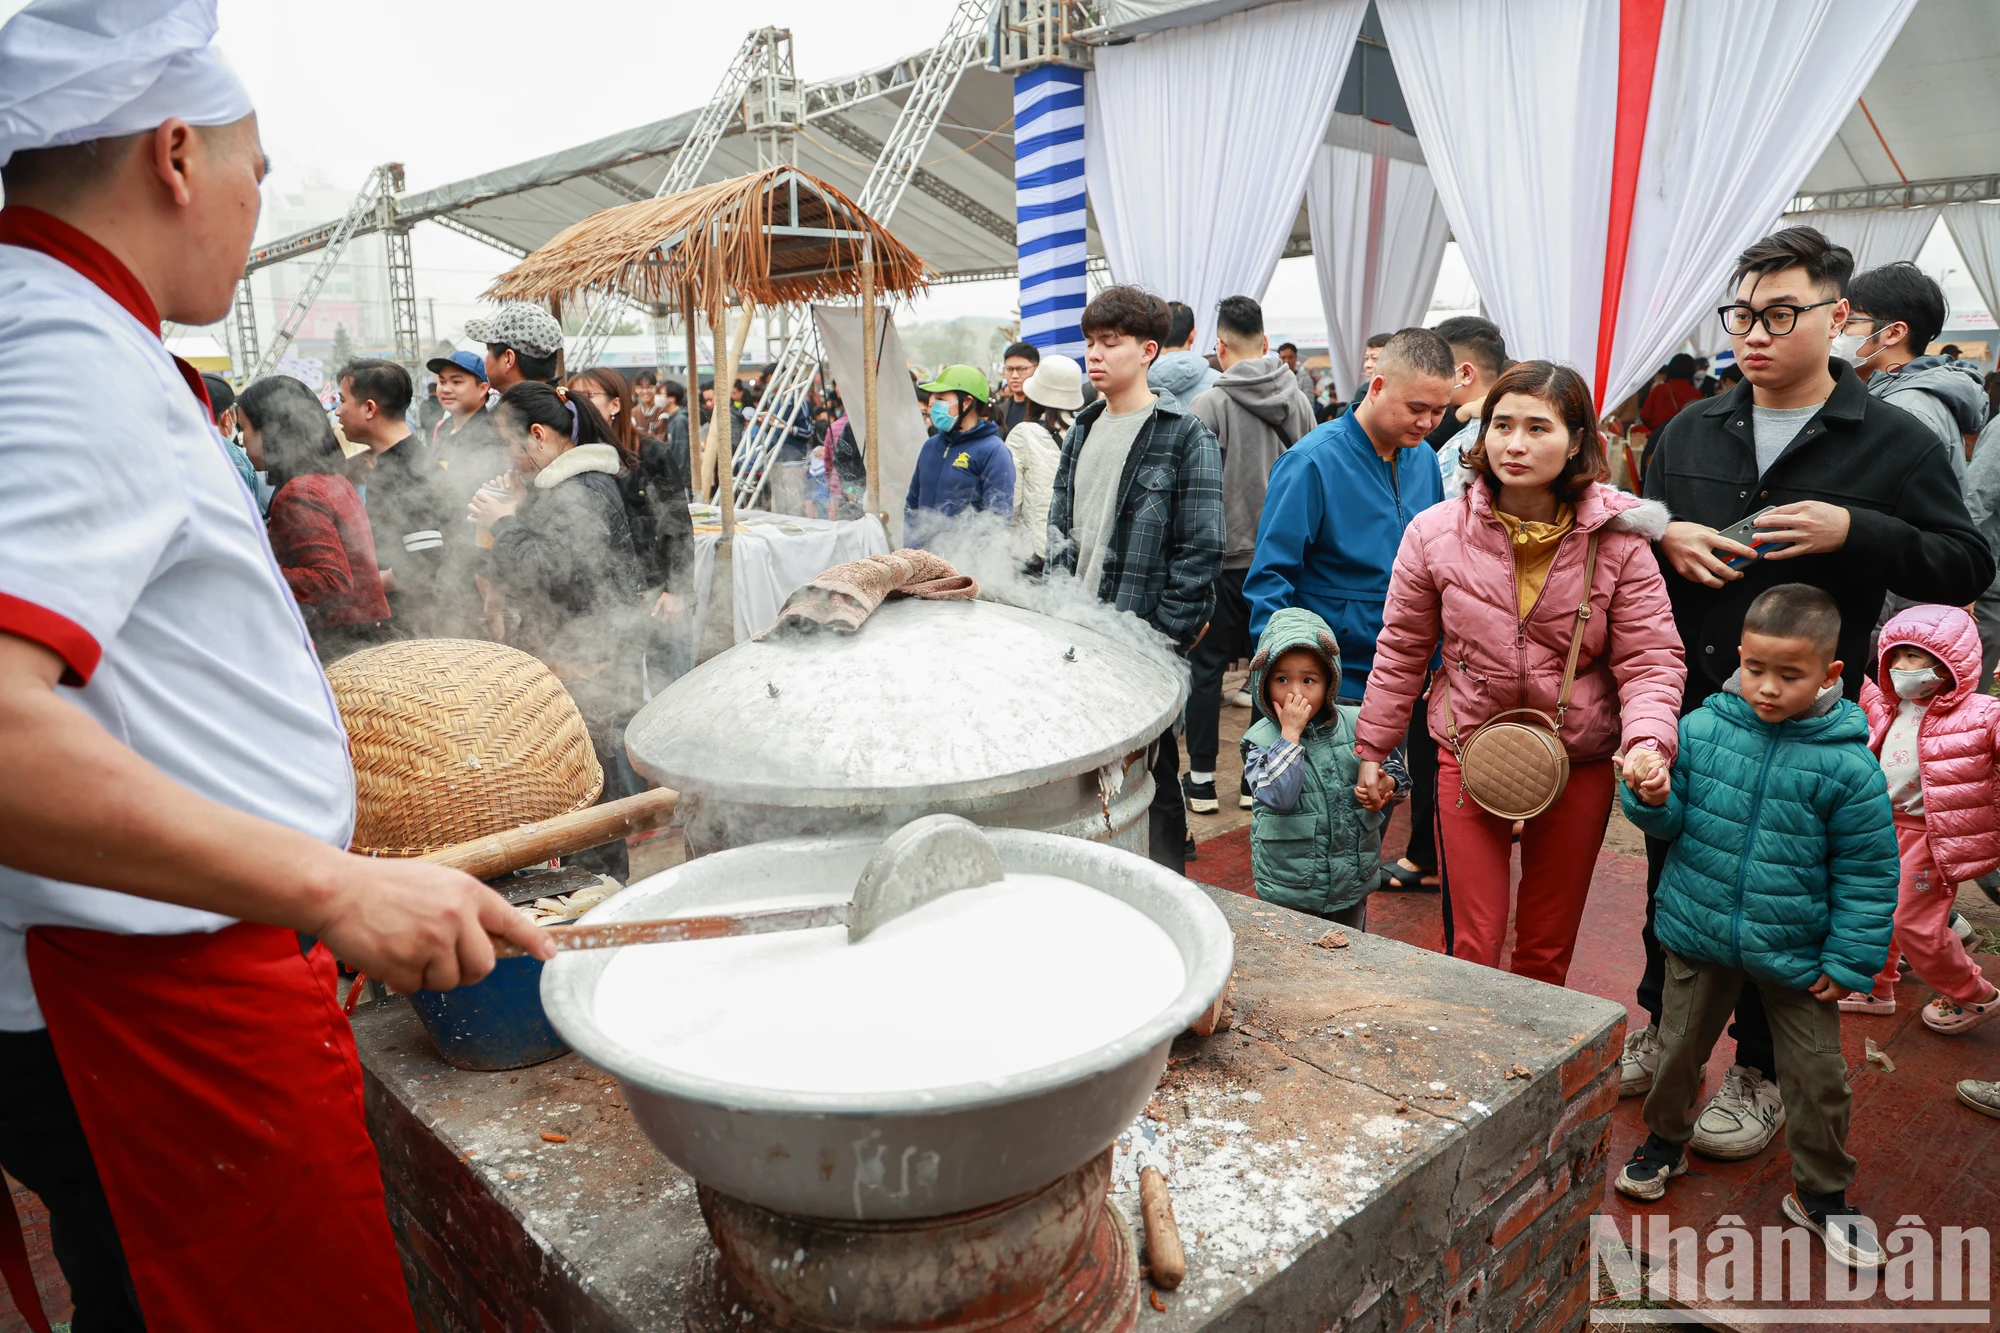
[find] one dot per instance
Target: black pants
(1752, 1029)
(1228, 638)
(1166, 818)
(42, 1146)
(1420, 752)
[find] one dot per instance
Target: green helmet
(960, 379)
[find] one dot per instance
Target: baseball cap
(960, 379)
(471, 362)
(517, 324)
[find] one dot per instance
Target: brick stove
(1360, 1152)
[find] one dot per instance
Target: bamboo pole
(870, 389)
(696, 458)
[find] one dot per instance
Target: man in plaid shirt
(1137, 509)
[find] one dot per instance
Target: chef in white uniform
(176, 1079)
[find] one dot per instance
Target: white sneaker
(1741, 1119)
(1639, 1062)
(1861, 1002)
(1963, 929)
(1240, 699)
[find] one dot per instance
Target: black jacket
(409, 523)
(656, 504)
(1910, 532)
(571, 578)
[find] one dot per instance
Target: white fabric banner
(1877, 236)
(1378, 234)
(895, 395)
(1975, 229)
(1198, 141)
(1745, 95)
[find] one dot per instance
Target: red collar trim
(32, 229)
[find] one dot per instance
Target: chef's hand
(414, 925)
(1691, 548)
(1812, 526)
(667, 607)
(1372, 787)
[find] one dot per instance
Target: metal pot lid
(929, 701)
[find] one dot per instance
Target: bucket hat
(1057, 382)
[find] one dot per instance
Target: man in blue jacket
(966, 465)
(1339, 499)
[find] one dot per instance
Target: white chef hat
(76, 70)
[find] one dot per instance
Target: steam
(984, 546)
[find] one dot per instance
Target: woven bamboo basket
(455, 739)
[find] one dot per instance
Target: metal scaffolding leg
(243, 328)
(403, 300)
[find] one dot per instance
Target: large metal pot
(1007, 717)
(885, 1156)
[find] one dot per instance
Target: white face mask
(1845, 345)
(1919, 684)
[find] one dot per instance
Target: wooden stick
(618, 934)
(501, 853)
(696, 459)
(871, 373)
(726, 456)
(1164, 1254)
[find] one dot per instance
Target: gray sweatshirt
(1256, 412)
(1184, 375)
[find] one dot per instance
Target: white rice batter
(979, 985)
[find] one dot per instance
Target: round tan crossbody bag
(1514, 764)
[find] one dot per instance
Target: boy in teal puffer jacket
(1313, 846)
(1783, 872)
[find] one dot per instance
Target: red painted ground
(1922, 1154)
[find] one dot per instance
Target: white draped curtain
(1877, 236)
(1378, 234)
(1744, 96)
(1975, 229)
(1198, 141)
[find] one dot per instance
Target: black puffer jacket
(569, 572)
(1910, 532)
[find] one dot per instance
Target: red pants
(218, 1087)
(1923, 924)
(1558, 853)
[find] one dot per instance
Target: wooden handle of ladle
(509, 850)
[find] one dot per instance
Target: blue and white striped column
(1049, 204)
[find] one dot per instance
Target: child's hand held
(1826, 990)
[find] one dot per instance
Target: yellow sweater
(1534, 545)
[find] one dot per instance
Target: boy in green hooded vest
(1313, 846)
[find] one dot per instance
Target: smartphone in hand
(1745, 532)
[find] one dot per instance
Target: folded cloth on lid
(841, 598)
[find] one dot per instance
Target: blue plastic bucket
(497, 1023)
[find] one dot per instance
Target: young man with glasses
(1869, 505)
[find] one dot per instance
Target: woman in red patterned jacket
(319, 530)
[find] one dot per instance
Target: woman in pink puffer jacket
(1936, 736)
(1497, 576)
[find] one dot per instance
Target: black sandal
(1398, 880)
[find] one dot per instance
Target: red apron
(220, 1092)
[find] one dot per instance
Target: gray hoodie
(1256, 412)
(1946, 395)
(1184, 374)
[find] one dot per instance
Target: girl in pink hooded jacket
(1497, 576)
(1937, 737)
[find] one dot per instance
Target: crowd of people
(1766, 655)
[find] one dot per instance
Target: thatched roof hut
(775, 237)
